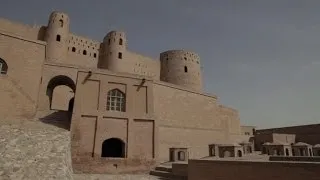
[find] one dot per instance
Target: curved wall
(181, 68)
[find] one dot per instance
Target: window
(116, 100)
(84, 52)
(3, 67)
(185, 58)
(61, 23)
(109, 41)
(73, 49)
(94, 55)
(58, 38)
(120, 41)
(120, 55)
(185, 69)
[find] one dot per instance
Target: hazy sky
(261, 57)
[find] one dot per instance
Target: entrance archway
(113, 147)
(60, 91)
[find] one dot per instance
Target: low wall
(245, 170)
(294, 158)
(180, 170)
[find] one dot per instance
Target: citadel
(126, 112)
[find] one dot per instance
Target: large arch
(60, 80)
(113, 147)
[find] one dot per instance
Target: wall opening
(226, 154)
(120, 55)
(73, 49)
(185, 69)
(113, 147)
(61, 23)
(310, 152)
(58, 38)
(181, 156)
(239, 153)
(3, 67)
(84, 52)
(287, 152)
(60, 91)
(301, 151)
(120, 41)
(94, 55)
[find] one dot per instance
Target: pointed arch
(116, 100)
(3, 67)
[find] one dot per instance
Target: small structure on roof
(226, 150)
(276, 149)
(316, 150)
(302, 149)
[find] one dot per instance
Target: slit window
(58, 38)
(185, 69)
(120, 55)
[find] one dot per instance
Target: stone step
(163, 168)
(166, 175)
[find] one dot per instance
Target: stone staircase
(165, 173)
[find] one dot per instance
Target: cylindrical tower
(114, 47)
(181, 68)
(56, 36)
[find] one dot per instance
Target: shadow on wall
(60, 119)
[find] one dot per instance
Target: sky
(261, 57)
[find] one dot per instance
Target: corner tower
(181, 68)
(56, 36)
(114, 47)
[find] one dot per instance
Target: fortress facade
(128, 111)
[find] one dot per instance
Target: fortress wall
(22, 57)
(143, 65)
(86, 51)
(32, 33)
(186, 119)
(232, 117)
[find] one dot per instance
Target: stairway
(165, 173)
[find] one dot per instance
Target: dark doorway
(301, 152)
(239, 153)
(181, 156)
(113, 147)
(287, 152)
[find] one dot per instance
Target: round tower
(56, 36)
(181, 68)
(114, 47)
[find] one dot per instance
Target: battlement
(179, 67)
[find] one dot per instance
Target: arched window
(58, 38)
(120, 41)
(73, 49)
(61, 23)
(84, 52)
(116, 101)
(3, 67)
(185, 69)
